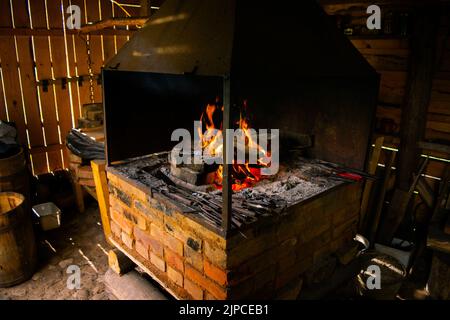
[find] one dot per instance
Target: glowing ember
(242, 175)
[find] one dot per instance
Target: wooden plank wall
(389, 56)
(44, 115)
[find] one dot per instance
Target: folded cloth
(8, 140)
(85, 147)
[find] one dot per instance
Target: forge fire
(250, 152)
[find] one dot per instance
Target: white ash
(296, 181)
(292, 185)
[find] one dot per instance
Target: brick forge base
(270, 260)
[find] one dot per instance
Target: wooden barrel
(14, 175)
(17, 242)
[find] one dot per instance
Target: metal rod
(226, 182)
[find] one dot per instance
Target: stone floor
(79, 241)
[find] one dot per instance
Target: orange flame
(243, 175)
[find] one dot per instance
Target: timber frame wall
(40, 61)
(390, 56)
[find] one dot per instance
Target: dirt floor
(80, 242)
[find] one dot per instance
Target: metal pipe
(226, 182)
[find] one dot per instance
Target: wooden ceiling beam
(113, 22)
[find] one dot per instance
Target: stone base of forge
(268, 260)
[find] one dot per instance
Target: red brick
(174, 260)
(174, 244)
(157, 232)
(291, 291)
(120, 195)
(286, 261)
(209, 296)
(127, 187)
(112, 178)
(215, 273)
(306, 250)
(217, 291)
(348, 227)
(175, 276)
(115, 204)
(124, 224)
(130, 214)
(156, 247)
(193, 258)
(153, 215)
(136, 192)
(142, 236)
(350, 212)
(155, 243)
(140, 221)
(142, 249)
(283, 278)
(158, 262)
(127, 240)
(215, 254)
(242, 290)
(115, 229)
(195, 291)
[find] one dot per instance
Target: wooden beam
(418, 95)
(113, 22)
(119, 262)
(381, 200)
(414, 117)
(145, 268)
(434, 147)
(146, 8)
(369, 184)
(101, 187)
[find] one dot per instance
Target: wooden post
(418, 94)
(414, 117)
(146, 8)
(119, 262)
(369, 184)
(101, 187)
(79, 196)
(227, 192)
(380, 204)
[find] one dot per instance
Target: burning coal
(252, 155)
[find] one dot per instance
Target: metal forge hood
(246, 37)
(296, 69)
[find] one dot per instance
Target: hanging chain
(87, 40)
